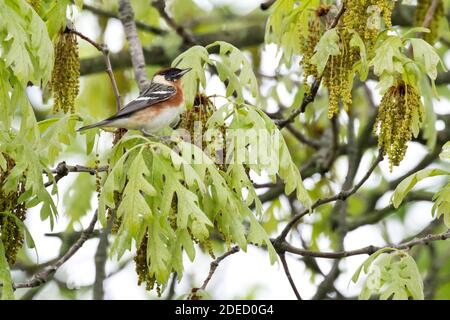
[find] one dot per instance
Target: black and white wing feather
(155, 93)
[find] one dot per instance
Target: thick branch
(244, 37)
(157, 55)
(126, 15)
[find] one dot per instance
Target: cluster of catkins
(66, 73)
(362, 16)
(194, 121)
(11, 210)
(142, 262)
(399, 105)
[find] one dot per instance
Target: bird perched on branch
(158, 106)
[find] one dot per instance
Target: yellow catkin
(363, 16)
(142, 265)
(421, 12)
(11, 234)
(117, 220)
(307, 45)
(194, 121)
(395, 120)
(66, 73)
(173, 212)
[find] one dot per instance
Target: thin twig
(172, 285)
(215, 264)
(186, 35)
(308, 98)
(339, 212)
(302, 138)
(212, 269)
(343, 195)
(108, 14)
(103, 48)
(288, 275)
(334, 145)
(47, 273)
(265, 185)
(426, 22)
(365, 250)
(63, 169)
(430, 13)
(373, 216)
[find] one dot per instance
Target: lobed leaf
(406, 185)
(328, 46)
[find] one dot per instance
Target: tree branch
(126, 15)
(343, 195)
(157, 55)
(365, 250)
(185, 34)
(47, 273)
(308, 98)
(212, 269)
(430, 13)
(302, 138)
(103, 48)
(63, 169)
(288, 275)
(373, 216)
(108, 14)
(172, 285)
(101, 256)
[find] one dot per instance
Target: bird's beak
(183, 72)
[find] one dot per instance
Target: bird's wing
(155, 93)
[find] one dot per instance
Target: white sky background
(240, 272)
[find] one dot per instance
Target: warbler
(157, 107)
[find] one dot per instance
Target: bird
(155, 108)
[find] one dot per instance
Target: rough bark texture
(126, 15)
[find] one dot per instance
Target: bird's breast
(156, 117)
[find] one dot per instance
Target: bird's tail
(94, 125)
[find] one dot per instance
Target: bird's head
(169, 75)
